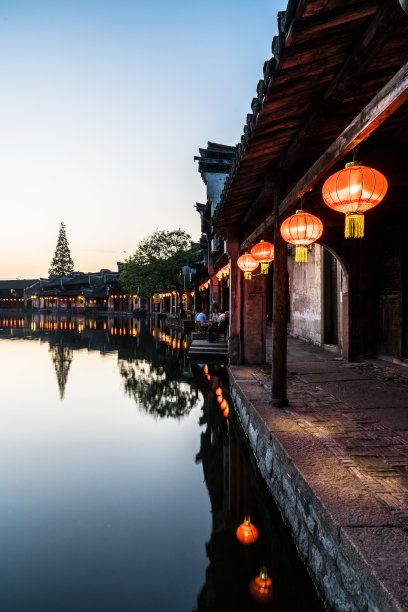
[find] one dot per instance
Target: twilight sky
(103, 106)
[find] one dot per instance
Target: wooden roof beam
(368, 47)
(384, 104)
(266, 194)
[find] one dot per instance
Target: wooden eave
(323, 37)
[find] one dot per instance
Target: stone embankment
(336, 462)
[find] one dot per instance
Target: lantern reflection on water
(247, 533)
(261, 587)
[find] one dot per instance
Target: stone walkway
(359, 413)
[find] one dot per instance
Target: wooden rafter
(368, 47)
(384, 104)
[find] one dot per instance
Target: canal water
(123, 482)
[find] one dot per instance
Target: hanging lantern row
(223, 272)
(352, 191)
(247, 264)
(204, 286)
(301, 229)
(263, 253)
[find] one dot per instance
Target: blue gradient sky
(103, 106)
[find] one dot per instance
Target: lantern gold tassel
(301, 253)
(354, 226)
(264, 268)
(247, 275)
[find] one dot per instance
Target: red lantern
(261, 587)
(247, 533)
(224, 404)
(226, 412)
(301, 229)
(219, 399)
(218, 391)
(352, 191)
(263, 252)
(247, 264)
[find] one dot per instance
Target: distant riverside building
(77, 292)
(12, 292)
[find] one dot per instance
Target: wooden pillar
(235, 335)
(280, 313)
(254, 320)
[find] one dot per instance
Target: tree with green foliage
(62, 263)
(156, 266)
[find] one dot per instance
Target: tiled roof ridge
(285, 20)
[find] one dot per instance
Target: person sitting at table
(201, 319)
(220, 326)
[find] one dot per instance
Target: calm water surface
(122, 483)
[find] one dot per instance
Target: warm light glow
(301, 229)
(261, 587)
(247, 533)
(264, 253)
(352, 191)
(247, 264)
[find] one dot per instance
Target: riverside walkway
(336, 460)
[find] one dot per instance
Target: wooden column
(280, 313)
(254, 320)
(235, 335)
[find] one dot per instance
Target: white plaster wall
(306, 296)
(215, 184)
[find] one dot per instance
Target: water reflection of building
(235, 491)
(167, 388)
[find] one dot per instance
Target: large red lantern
(263, 252)
(301, 229)
(247, 533)
(261, 587)
(353, 190)
(247, 264)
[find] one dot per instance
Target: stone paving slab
(334, 376)
(346, 430)
(392, 417)
(313, 367)
(385, 551)
(357, 395)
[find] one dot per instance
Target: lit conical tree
(62, 263)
